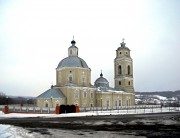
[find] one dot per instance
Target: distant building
(73, 83)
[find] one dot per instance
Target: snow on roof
(138, 100)
(102, 89)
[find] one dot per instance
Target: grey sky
(35, 36)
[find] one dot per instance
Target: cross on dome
(123, 40)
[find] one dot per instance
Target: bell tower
(123, 69)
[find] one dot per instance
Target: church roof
(52, 93)
(72, 61)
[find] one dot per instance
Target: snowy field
(8, 131)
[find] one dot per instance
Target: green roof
(52, 93)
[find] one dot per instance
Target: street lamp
(101, 104)
(27, 102)
(117, 103)
(51, 102)
(112, 100)
(7, 100)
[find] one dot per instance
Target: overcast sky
(35, 36)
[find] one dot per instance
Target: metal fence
(28, 109)
(121, 109)
(131, 109)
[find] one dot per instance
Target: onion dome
(72, 60)
(101, 82)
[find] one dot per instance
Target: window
(126, 53)
(119, 82)
(46, 105)
(85, 94)
(83, 80)
(92, 96)
(129, 83)
(128, 70)
(91, 105)
(116, 103)
(70, 78)
(70, 52)
(107, 103)
(127, 103)
(120, 53)
(76, 95)
(119, 102)
(119, 69)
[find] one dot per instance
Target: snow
(109, 90)
(1, 112)
(8, 131)
(160, 97)
(17, 132)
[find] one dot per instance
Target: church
(73, 83)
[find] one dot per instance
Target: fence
(28, 109)
(121, 109)
(131, 109)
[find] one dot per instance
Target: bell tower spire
(123, 69)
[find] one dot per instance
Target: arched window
(46, 104)
(92, 95)
(85, 94)
(107, 103)
(76, 95)
(120, 103)
(70, 52)
(128, 70)
(91, 105)
(119, 69)
(83, 80)
(70, 78)
(116, 103)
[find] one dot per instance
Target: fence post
(57, 109)
(6, 109)
(77, 109)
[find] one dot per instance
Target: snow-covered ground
(8, 131)
(156, 99)
(18, 132)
